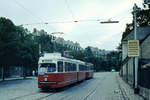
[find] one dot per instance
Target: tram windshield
(50, 67)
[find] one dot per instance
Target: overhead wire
(55, 22)
(27, 10)
(69, 9)
(63, 22)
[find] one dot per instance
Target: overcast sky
(87, 33)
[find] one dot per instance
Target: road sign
(133, 48)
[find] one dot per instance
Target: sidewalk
(126, 90)
(18, 78)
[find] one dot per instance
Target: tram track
(39, 96)
(35, 94)
(19, 97)
(45, 96)
(68, 97)
(94, 90)
(42, 95)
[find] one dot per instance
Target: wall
(0, 72)
(13, 71)
(128, 71)
(145, 48)
(131, 71)
(125, 50)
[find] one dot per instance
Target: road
(103, 86)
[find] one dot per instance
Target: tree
(129, 28)
(8, 43)
(45, 42)
(78, 55)
(17, 48)
(143, 17)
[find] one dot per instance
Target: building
(36, 33)
(128, 69)
(99, 52)
(69, 44)
(66, 43)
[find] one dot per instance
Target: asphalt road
(103, 86)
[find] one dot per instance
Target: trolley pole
(54, 40)
(39, 48)
(136, 90)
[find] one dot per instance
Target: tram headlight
(45, 79)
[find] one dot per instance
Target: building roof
(142, 33)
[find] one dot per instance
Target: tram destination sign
(133, 48)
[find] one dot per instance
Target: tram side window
(66, 67)
(74, 67)
(69, 67)
(81, 67)
(92, 68)
(51, 67)
(60, 66)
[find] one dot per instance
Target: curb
(127, 91)
(17, 78)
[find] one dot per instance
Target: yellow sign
(133, 48)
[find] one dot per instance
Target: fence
(13, 71)
(128, 71)
(1, 72)
(144, 73)
(144, 80)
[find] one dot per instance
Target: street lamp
(109, 22)
(54, 40)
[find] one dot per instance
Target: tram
(56, 71)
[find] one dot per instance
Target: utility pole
(54, 44)
(54, 40)
(39, 48)
(3, 77)
(136, 90)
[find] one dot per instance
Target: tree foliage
(17, 48)
(143, 19)
(20, 48)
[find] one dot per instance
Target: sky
(65, 12)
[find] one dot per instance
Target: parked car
(113, 70)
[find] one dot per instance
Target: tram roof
(57, 56)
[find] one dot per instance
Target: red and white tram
(55, 71)
(89, 71)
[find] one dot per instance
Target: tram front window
(51, 67)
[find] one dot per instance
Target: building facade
(69, 44)
(99, 52)
(66, 43)
(128, 65)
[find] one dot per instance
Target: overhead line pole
(136, 57)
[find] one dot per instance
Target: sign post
(136, 62)
(133, 48)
